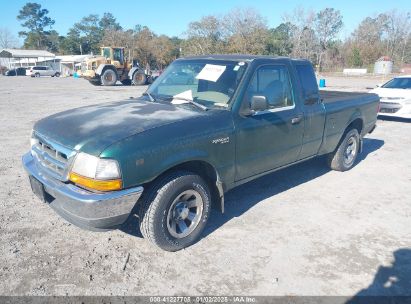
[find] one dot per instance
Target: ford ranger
(205, 126)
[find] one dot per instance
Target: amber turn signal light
(95, 184)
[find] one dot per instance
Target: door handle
(296, 119)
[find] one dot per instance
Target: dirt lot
(301, 231)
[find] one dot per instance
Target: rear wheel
(344, 157)
(175, 211)
(108, 78)
(139, 78)
(57, 74)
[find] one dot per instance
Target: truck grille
(52, 158)
(386, 110)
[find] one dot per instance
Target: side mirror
(311, 99)
(258, 103)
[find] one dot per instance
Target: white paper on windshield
(211, 72)
(183, 95)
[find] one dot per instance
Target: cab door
(272, 138)
(314, 111)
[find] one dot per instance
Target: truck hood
(93, 128)
(392, 93)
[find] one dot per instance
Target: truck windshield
(398, 83)
(211, 83)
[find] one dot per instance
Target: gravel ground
(304, 230)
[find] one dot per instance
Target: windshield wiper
(149, 96)
(199, 105)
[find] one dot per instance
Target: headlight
(96, 173)
(33, 140)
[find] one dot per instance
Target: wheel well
(203, 169)
(355, 124)
(109, 67)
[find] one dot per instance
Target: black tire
(344, 157)
(126, 82)
(109, 77)
(57, 74)
(150, 80)
(37, 75)
(95, 82)
(159, 208)
(139, 78)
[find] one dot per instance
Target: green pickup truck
(205, 126)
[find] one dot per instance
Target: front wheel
(344, 157)
(175, 211)
(57, 74)
(108, 78)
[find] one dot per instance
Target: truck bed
(334, 96)
(343, 107)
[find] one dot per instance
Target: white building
(13, 58)
(70, 63)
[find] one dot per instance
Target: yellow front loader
(112, 66)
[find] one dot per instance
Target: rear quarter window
(308, 79)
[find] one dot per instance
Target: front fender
(183, 157)
(146, 155)
(102, 67)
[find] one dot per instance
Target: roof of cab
(238, 57)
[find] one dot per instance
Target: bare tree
(397, 33)
(367, 38)
(328, 24)
(246, 31)
(304, 40)
(7, 39)
(204, 36)
(144, 40)
(163, 51)
(121, 38)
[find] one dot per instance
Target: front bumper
(85, 209)
(399, 109)
(90, 75)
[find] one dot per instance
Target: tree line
(303, 33)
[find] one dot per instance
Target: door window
(272, 82)
(118, 55)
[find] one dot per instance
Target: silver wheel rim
(350, 151)
(184, 213)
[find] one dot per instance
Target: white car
(38, 71)
(395, 97)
